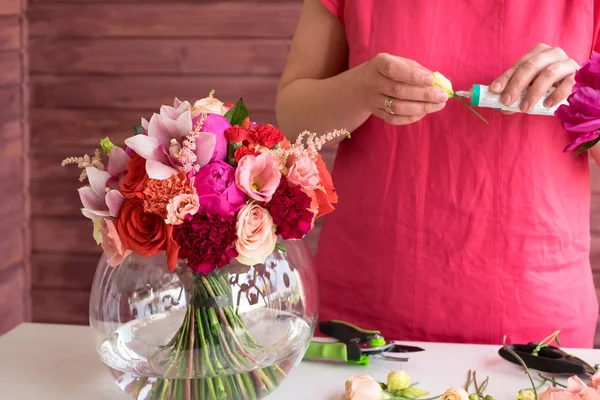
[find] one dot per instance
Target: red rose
(134, 181)
(236, 134)
(146, 234)
(265, 135)
(243, 151)
(290, 209)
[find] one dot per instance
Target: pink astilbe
(313, 144)
(188, 156)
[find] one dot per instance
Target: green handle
(326, 351)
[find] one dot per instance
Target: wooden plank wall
(98, 65)
(14, 174)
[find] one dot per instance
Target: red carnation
(206, 241)
(243, 151)
(265, 135)
(290, 209)
(236, 134)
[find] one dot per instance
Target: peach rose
(363, 387)
(589, 393)
(455, 394)
(256, 234)
(208, 105)
(575, 384)
(303, 172)
(553, 393)
(111, 243)
(180, 206)
(258, 176)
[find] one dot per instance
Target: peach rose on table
(596, 380)
(180, 206)
(256, 237)
(455, 394)
(258, 176)
(363, 387)
(112, 245)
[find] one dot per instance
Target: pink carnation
(258, 176)
(206, 241)
(181, 206)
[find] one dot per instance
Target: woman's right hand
(399, 90)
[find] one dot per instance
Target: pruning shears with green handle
(354, 345)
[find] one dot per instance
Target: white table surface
(59, 362)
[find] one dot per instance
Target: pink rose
(111, 243)
(258, 176)
(180, 206)
(575, 385)
(596, 380)
(304, 173)
(256, 237)
(589, 393)
(455, 394)
(363, 387)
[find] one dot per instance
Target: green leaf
(138, 129)
(587, 145)
(238, 113)
(281, 247)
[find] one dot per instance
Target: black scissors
(549, 359)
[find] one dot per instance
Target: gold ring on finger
(388, 105)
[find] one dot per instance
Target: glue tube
(482, 96)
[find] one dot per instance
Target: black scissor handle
(550, 359)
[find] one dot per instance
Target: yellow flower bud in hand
(526, 394)
(397, 380)
(443, 83)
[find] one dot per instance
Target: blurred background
(75, 71)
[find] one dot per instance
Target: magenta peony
(215, 124)
(217, 192)
(290, 209)
(206, 241)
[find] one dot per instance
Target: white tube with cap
(482, 96)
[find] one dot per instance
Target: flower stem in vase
(212, 342)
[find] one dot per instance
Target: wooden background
(14, 174)
(96, 67)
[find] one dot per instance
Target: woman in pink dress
(448, 229)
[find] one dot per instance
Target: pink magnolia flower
(111, 243)
(98, 199)
(363, 387)
(304, 172)
(258, 176)
(180, 206)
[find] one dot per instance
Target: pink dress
(449, 229)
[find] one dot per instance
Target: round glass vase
(235, 333)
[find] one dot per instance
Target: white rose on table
(364, 387)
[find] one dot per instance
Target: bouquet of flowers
(205, 185)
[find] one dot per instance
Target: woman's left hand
(541, 68)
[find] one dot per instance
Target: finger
(398, 119)
(546, 79)
(527, 71)
(500, 83)
(407, 107)
(561, 92)
(406, 91)
(403, 70)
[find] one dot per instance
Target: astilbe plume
(188, 150)
(312, 146)
(85, 162)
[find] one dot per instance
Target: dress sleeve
(336, 7)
